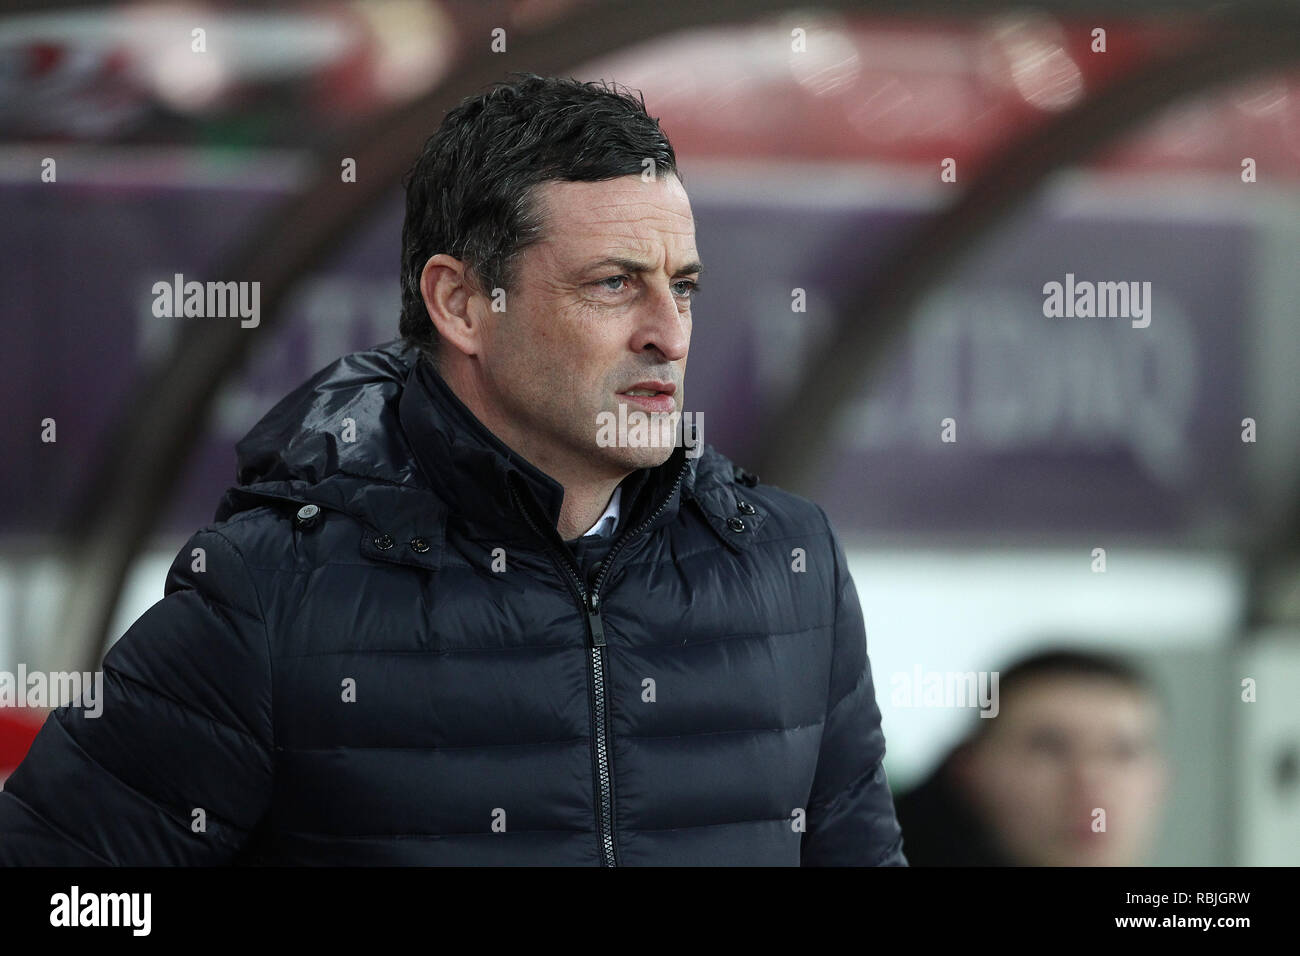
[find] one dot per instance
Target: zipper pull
(593, 620)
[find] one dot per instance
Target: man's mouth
(650, 388)
(652, 396)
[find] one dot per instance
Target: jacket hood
(379, 436)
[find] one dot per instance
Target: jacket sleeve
(850, 815)
(176, 766)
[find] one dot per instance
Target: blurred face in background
(1060, 748)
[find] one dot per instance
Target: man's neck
(586, 493)
(577, 516)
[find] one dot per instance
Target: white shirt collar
(607, 522)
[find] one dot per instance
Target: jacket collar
(487, 485)
(420, 458)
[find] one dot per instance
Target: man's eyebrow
(634, 266)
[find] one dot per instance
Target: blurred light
(1026, 52)
(414, 43)
(186, 81)
(1262, 100)
(830, 62)
(1189, 129)
(916, 86)
(714, 73)
(883, 108)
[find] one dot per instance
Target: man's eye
(682, 287)
(1046, 743)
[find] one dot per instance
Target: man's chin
(630, 441)
(634, 459)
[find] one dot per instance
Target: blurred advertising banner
(1116, 409)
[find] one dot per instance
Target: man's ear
(452, 301)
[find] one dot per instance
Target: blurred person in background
(1075, 733)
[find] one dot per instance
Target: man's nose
(663, 326)
(1090, 775)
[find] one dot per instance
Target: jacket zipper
(618, 545)
(589, 602)
(596, 630)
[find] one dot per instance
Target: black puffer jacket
(411, 673)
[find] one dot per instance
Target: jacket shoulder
(267, 536)
(784, 512)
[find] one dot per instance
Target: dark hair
(470, 192)
(1061, 661)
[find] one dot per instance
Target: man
(399, 646)
(1076, 732)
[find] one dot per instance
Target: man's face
(601, 306)
(1061, 748)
